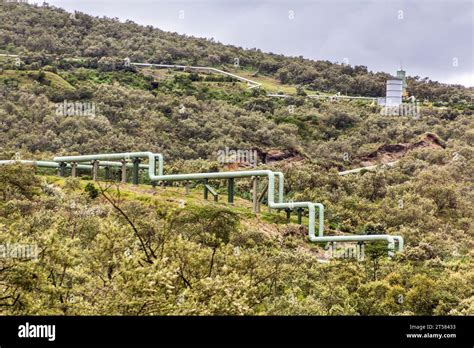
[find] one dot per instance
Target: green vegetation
(122, 254)
(26, 31)
(108, 249)
(15, 78)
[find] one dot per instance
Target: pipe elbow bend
(268, 172)
(320, 206)
(279, 174)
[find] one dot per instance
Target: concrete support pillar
(62, 169)
(300, 214)
(333, 249)
(136, 167)
(262, 196)
(186, 188)
(230, 190)
(95, 170)
(206, 191)
(107, 172)
(256, 201)
(124, 172)
(269, 209)
(73, 169)
(115, 174)
(360, 252)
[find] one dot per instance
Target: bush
(91, 190)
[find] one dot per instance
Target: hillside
(122, 249)
(26, 30)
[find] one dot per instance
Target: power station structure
(396, 90)
(402, 75)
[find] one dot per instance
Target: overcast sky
(433, 38)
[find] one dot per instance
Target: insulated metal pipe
(44, 164)
(149, 155)
(126, 155)
(281, 180)
(119, 164)
(271, 203)
(202, 68)
(368, 168)
(244, 174)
